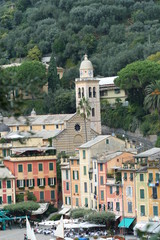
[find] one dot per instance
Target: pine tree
(53, 80)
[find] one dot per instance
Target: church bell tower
(87, 86)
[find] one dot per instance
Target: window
(102, 195)
(57, 126)
(71, 162)
(117, 91)
(117, 190)
(95, 190)
(111, 190)
(107, 141)
(51, 181)
(142, 193)
(86, 202)
(142, 209)
(20, 183)
(125, 176)
(0, 200)
(67, 177)
(77, 162)
(90, 92)
(41, 196)
(75, 175)
(67, 186)
(77, 202)
(17, 128)
(84, 154)
(91, 188)
(101, 180)
(41, 182)
(154, 193)
(76, 188)
(50, 166)
(94, 92)
(129, 191)
(79, 93)
(9, 199)
(82, 92)
(110, 205)
(129, 207)
(44, 126)
(30, 127)
(93, 112)
(30, 182)
(117, 206)
(155, 210)
(131, 176)
(84, 170)
(141, 177)
(8, 184)
(101, 166)
(150, 177)
(52, 195)
(29, 167)
(4, 153)
(85, 187)
(95, 177)
(20, 168)
(40, 167)
(67, 200)
(95, 165)
(157, 177)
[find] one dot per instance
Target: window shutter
(73, 175)
(17, 183)
(44, 181)
(48, 181)
(23, 183)
(38, 182)
(54, 181)
(77, 175)
(33, 183)
(27, 182)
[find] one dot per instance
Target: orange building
(35, 171)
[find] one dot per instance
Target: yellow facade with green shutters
(142, 195)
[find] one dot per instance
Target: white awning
(43, 207)
(139, 225)
(117, 216)
(149, 227)
(64, 211)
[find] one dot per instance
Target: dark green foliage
(80, 212)
(158, 142)
(55, 217)
(106, 218)
(31, 197)
(19, 198)
(51, 209)
(53, 80)
(22, 207)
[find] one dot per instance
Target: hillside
(112, 32)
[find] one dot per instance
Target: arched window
(90, 92)
(79, 92)
(82, 92)
(93, 112)
(94, 92)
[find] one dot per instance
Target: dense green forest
(118, 36)
(112, 32)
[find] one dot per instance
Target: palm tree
(84, 110)
(152, 99)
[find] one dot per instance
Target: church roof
(37, 119)
(86, 64)
(107, 80)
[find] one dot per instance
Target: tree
(152, 99)
(135, 77)
(154, 57)
(31, 77)
(84, 110)
(34, 54)
(31, 196)
(107, 218)
(22, 207)
(53, 80)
